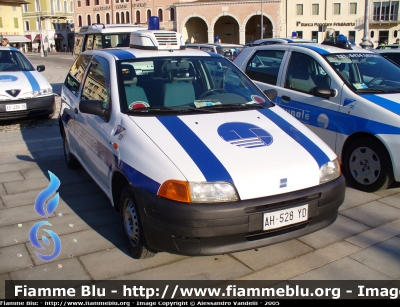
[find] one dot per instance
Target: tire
(367, 165)
(132, 226)
(69, 158)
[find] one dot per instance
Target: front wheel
(132, 227)
(69, 158)
(367, 165)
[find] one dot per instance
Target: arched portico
(195, 29)
(252, 25)
(227, 28)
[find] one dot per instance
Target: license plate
(15, 107)
(285, 217)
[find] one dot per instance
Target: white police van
(347, 95)
(24, 91)
(194, 157)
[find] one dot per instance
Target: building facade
(309, 19)
(11, 25)
(49, 24)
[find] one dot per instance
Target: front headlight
(198, 192)
(329, 171)
(45, 91)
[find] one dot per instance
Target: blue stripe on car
(137, 178)
(206, 161)
(383, 102)
(120, 54)
(316, 49)
(319, 155)
(32, 80)
(338, 121)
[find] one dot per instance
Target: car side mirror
(227, 54)
(271, 94)
(94, 107)
(40, 68)
(323, 92)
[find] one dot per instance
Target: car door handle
(286, 98)
(76, 111)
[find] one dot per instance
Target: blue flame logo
(40, 209)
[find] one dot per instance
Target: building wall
(8, 13)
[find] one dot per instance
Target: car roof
(394, 50)
(319, 48)
(132, 53)
(284, 40)
(109, 28)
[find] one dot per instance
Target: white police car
(348, 97)
(24, 91)
(192, 154)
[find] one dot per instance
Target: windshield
(366, 72)
(186, 84)
(14, 61)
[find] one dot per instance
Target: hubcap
(364, 165)
(131, 224)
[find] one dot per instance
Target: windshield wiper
(234, 106)
(371, 90)
(152, 109)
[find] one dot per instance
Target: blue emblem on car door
(244, 135)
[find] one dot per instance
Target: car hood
(389, 102)
(21, 84)
(261, 152)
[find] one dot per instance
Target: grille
(23, 113)
(166, 38)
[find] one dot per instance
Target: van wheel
(367, 165)
(132, 227)
(69, 158)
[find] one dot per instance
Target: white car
(195, 158)
(24, 91)
(391, 54)
(349, 97)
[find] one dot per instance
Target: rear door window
(264, 66)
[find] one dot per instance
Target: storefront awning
(29, 37)
(58, 36)
(37, 37)
(17, 39)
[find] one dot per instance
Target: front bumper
(39, 106)
(207, 229)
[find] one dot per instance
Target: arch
(107, 18)
(117, 17)
(127, 17)
(89, 20)
(172, 14)
(195, 30)
(252, 28)
(122, 18)
(52, 7)
(227, 29)
(148, 14)
(225, 15)
(71, 6)
(58, 6)
(191, 16)
(160, 14)
(79, 21)
(246, 20)
(138, 16)
(98, 18)
(65, 7)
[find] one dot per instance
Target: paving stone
(273, 254)
(18, 215)
(342, 228)
(3, 278)
(26, 185)
(373, 214)
(2, 204)
(102, 265)
(22, 146)
(14, 258)
(20, 199)
(67, 223)
(393, 200)
(195, 268)
(10, 177)
(376, 235)
(343, 269)
(2, 190)
(71, 270)
(300, 265)
(16, 166)
(383, 257)
(355, 198)
(387, 192)
(13, 158)
(81, 243)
